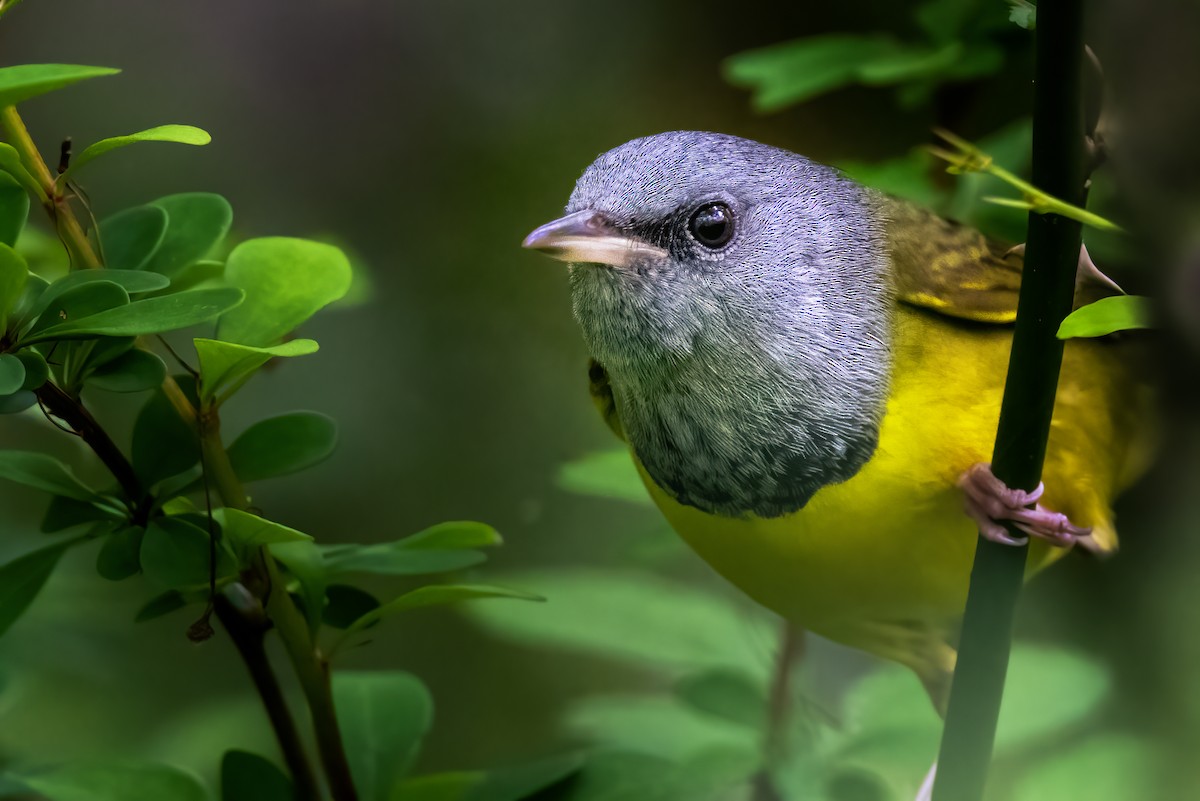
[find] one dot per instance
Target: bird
(808, 374)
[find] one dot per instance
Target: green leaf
(44, 472)
(180, 134)
(607, 474)
(1023, 13)
(453, 535)
(286, 281)
(434, 595)
(282, 445)
(795, 71)
(1047, 691)
(393, 559)
(77, 302)
(632, 615)
(163, 444)
(149, 316)
(14, 208)
(132, 281)
(12, 374)
(909, 63)
(37, 372)
(176, 554)
(14, 274)
(250, 777)
(656, 725)
(130, 237)
(1103, 767)
(17, 402)
(1107, 316)
(717, 775)
(10, 162)
(225, 367)
(163, 604)
(346, 604)
(135, 371)
(113, 781)
(63, 513)
(303, 560)
(524, 781)
(383, 716)
(118, 558)
(726, 695)
(197, 223)
(24, 81)
(22, 579)
(437, 787)
(247, 532)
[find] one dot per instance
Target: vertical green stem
(1047, 287)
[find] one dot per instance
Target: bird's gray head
(736, 295)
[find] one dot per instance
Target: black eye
(712, 225)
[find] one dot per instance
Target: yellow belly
(886, 556)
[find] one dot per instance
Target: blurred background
(428, 139)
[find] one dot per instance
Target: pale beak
(588, 237)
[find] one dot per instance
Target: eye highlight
(712, 225)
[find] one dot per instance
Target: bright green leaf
(607, 474)
(204, 273)
(247, 532)
(180, 134)
(113, 781)
(163, 444)
(14, 274)
(176, 553)
(23, 81)
(1047, 691)
(286, 281)
(44, 472)
(14, 209)
(118, 558)
(393, 559)
(149, 316)
(282, 445)
(1107, 316)
(1023, 13)
(451, 535)
(656, 725)
(435, 595)
(135, 371)
(383, 716)
(1103, 767)
(22, 579)
(129, 238)
(196, 223)
(10, 162)
(225, 367)
(636, 616)
(909, 63)
(345, 604)
(250, 777)
(12, 374)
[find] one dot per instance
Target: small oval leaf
(23, 81)
(1107, 316)
(180, 134)
(282, 445)
(149, 316)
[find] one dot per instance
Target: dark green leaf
(77, 301)
(286, 281)
(909, 63)
(12, 374)
(1106, 316)
(130, 237)
(384, 717)
(119, 555)
(20, 83)
(282, 445)
(132, 281)
(197, 274)
(180, 134)
(176, 554)
(197, 222)
(632, 615)
(113, 781)
(248, 532)
(712, 776)
(22, 579)
(524, 781)
(607, 474)
(136, 371)
(17, 402)
(394, 559)
(437, 787)
(727, 695)
(14, 274)
(436, 595)
(164, 604)
(14, 208)
(225, 367)
(345, 604)
(303, 560)
(149, 316)
(36, 369)
(250, 777)
(44, 472)
(163, 444)
(63, 513)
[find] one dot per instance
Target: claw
(988, 500)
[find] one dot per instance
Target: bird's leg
(988, 500)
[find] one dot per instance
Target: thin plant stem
(1047, 289)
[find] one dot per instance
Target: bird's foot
(988, 500)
